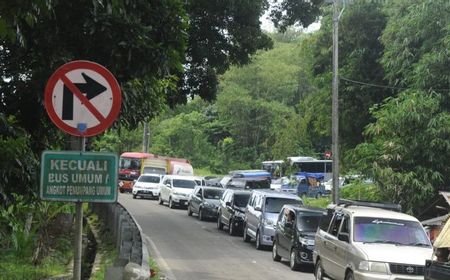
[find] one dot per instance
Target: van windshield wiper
(419, 244)
(385, 241)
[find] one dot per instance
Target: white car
(176, 190)
(147, 185)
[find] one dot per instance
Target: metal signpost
(82, 98)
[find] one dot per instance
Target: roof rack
(387, 206)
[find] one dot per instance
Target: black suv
(294, 234)
(231, 210)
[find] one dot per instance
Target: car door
(289, 231)
(280, 234)
(165, 189)
(222, 205)
(228, 208)
(329, 247)
(254, 215)
(342, 247)
(196, 199)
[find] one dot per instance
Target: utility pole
(145, 138)
(335, 101)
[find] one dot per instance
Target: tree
(221, 33)
(408, 149)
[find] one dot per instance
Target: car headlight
(378, 267)
(305, 241)
(268, 222)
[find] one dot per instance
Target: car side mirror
(344, 237)
(228, 203)
(428, 263)
(257, 208)
(199, 195)
(168, 185)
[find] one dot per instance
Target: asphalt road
(188, 249)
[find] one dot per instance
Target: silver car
(261, 215)
(367, 243)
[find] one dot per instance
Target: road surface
(188, 249)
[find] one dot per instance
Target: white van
(176, 190)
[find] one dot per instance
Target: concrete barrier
(132, 260)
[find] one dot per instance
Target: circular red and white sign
(82, 98)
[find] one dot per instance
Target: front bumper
(180, 200)
(364, 275)
(304, 254)
(210, 212)
(267, 234)
(146, 192)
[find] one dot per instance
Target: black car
(294, 234)
(204, 202)
(231, 211)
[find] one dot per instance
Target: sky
(267, 25)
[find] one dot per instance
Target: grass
(155, 268)
(317, 202)
(13, 266)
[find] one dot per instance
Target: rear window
(260, 184)
(274, 204)
(392, 231)
(149, 179)
(185, 184)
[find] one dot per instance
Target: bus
(312, 165)
(274, 167)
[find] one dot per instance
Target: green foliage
(363, 191)
(408, 148)
(300, 12)
(317, 202)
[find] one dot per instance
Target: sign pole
(78, 229)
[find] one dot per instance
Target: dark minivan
(294, 234)
(231, 210)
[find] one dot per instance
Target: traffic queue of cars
(347, 241)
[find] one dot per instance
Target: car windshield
(274, 204)
(149, 179)
(185, 184)
(392, 231)
(240, 200)
(308, 221)
(212, 194)
(130, 163)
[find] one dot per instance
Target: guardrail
(133, 260)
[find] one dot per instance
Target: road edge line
(157, 257)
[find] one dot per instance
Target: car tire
(275, 256)
(258, 245)
(293, 264)
(200, 214)
(318, 271)
(349, 276)
(231, 228)
(219, 222)
(245, 236)
(189, 211)
(160, 201)
(171, 204)
(134, 196)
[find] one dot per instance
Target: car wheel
(171, 205)
(245, 237)
(231, 228)
(121, 191)
(275, 256)
(349, 276)
(189, 211)
(134, 196)
(219, 222)
(318, 271)
(200, 214)
(258, 241)
(293, 264)
(160, 201)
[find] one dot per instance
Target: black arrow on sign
(90, 87)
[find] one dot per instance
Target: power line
(383, 86)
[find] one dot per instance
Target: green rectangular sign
(79, 176)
